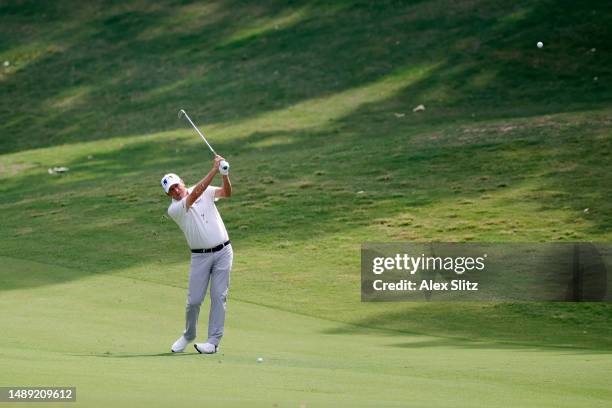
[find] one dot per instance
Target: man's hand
(223, 167)
(217, 162)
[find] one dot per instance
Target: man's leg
(198, 283)
(219, 286)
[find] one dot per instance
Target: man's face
(177, 191)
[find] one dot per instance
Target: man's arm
(205, 182)
(226, 189)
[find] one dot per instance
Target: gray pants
(214, 267)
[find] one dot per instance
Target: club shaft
(199, 133)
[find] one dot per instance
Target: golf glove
(224, 168)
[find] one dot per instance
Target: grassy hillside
(112, 69)
(312, 105)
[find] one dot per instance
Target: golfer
(194, 211)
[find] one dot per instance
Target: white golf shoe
(206, 348)
(179, 345)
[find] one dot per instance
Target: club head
(181, 113)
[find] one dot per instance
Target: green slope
(312, 105)
(82, 72)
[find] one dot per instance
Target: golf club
(223, 166)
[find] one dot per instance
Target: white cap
(169, 180)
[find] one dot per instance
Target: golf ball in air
(540, 44)
(259, 359)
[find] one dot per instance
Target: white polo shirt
(202, 223)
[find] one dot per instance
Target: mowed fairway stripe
(109, 336)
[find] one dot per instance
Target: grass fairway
(104, 335)
(312, 104)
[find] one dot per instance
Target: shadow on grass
(296, 190)
(89, 72)
(144, 355)
(557, 327)
(500, 345)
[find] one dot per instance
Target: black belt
(214, 249)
